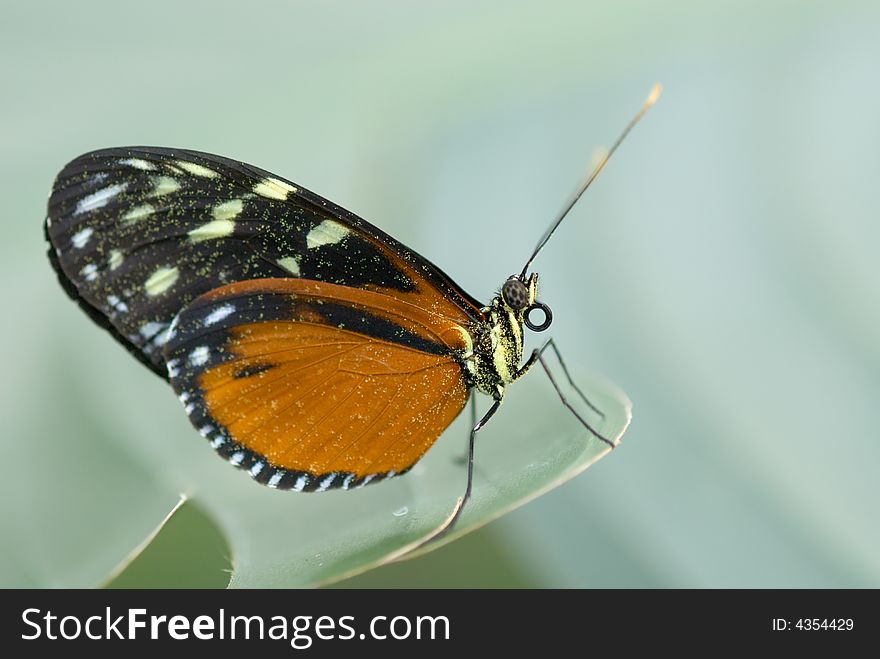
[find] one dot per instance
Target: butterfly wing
(137, 233)
(310, 385)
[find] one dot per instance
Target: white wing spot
(137, 163)
(199, 356)
(89, 272)
(163, 185)
(218, 441)
(117, 304)
(161, 280)
(276, 478)
(99, 198)
(237, 457)
(257, 468)
(80, 238)
(300, 483)
(138, 213)
(196, 169)
(347, 481)
(366, 480)
(290, 263)
(328, 232)
(328, 480)
(172, 331)
(115, 259)
(228, 210)
(219, 314)
(161, 338)
(173, 372)
(212, 230)
(274, 188)
(151, 329)
(204, 431)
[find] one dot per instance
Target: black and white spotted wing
(137, 233)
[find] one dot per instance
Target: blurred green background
(723, 270)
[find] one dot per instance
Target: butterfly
(310, 348)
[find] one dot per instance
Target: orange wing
(311, 386)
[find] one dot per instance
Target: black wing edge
(94, 313)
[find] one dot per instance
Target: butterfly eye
(515, 294)
(545, 323)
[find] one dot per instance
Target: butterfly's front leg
(538, 356)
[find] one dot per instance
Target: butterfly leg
(538, 357)
(552, 344)
(461, 459)
(459, 506)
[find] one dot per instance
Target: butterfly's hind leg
(538, 357)
(461, 459)
(459, 506)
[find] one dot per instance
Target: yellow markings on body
(137, 163)
(500, 349)
(466, 339)
(290, 264)
(163, 185)
(494, 331)
(161, 280)
(327, 232)
(468, 353)
(228, 210)
(138, 213)
(274, 188)
(196, 169)
(516, 327)
(499, 359)
(212, 230)
(115, 259)
(533, 288)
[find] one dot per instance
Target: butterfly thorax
(498, 342)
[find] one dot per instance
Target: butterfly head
(519, 297)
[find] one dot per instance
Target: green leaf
(78, 497)
(187, 551)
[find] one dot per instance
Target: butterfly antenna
(652, 98)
